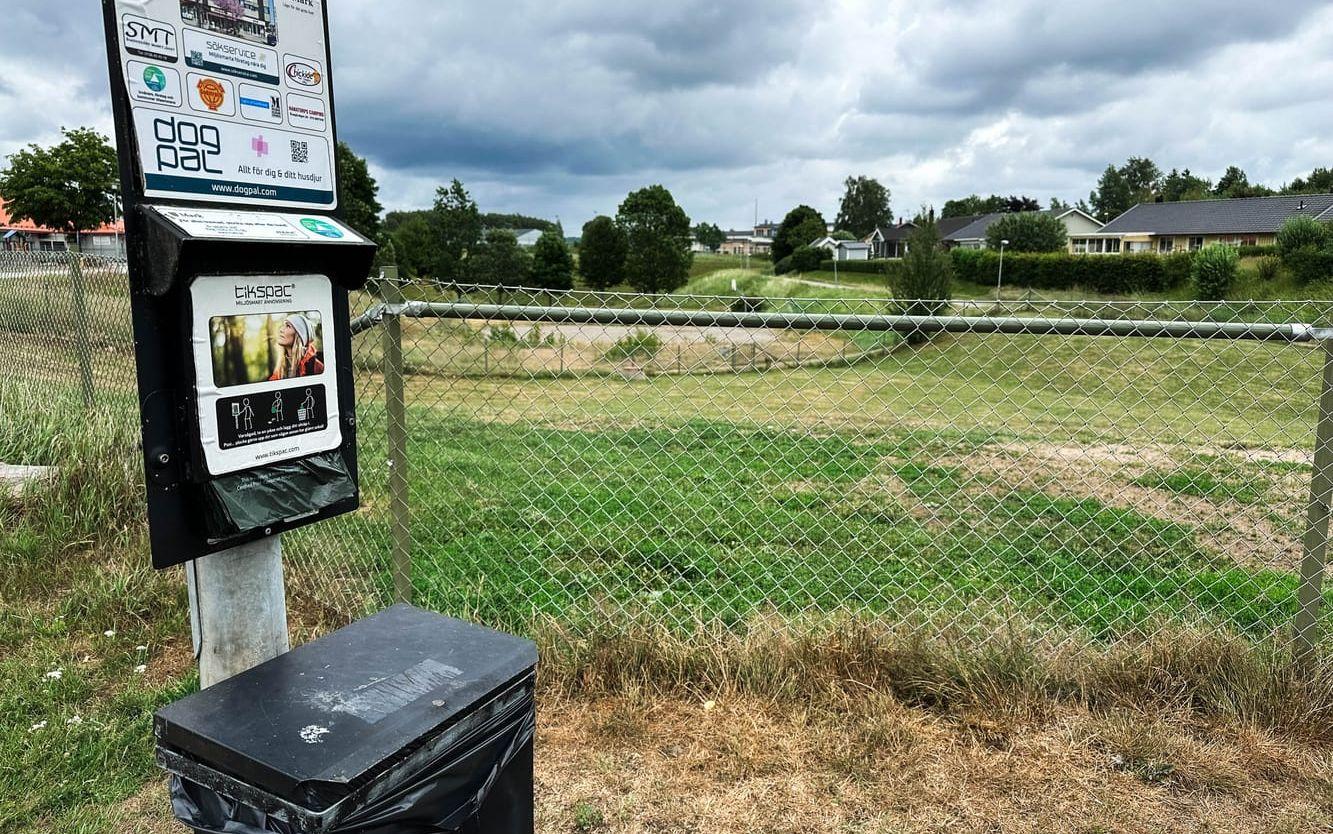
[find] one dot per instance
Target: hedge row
(1109, 274)
(1258, 251)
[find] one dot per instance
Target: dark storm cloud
(561, 107)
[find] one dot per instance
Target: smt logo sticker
(149, 39)
(304, 72)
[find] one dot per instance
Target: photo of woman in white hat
(299, 353)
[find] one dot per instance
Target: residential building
(756, 241)
(1187, 226)
(969, 232)
(26, 236)
(844, 250)
(891, 241)
(527, 238)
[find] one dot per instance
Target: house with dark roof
(973, 236)
(969, 232)
(1192, 225)
(891, 241)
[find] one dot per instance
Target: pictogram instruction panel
(230, 100)
(265, 361)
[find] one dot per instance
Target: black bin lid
(339, 712)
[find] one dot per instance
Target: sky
(558, 108)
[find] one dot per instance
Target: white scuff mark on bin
(314, 734)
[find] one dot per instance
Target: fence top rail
(924, 324)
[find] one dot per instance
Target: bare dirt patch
(1256, 534)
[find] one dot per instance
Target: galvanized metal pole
(238, 609)
(395, 403)
(79, 290)
(1315, 544)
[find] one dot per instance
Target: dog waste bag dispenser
(250, 425)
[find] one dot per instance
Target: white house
(527, 238)
(844, 250)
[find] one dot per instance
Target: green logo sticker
(155, 79)
(321, 227)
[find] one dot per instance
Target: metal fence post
(1315, 544)
(83, 330)
(395, 396)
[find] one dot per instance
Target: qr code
(300, 151)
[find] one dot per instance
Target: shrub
(926, 281)
(748, 304)
(806, 259)
(783, 266)
(638, 344)
(1310, 265)
(1299, 233)
(1176, 269)
(1109, 274)
(1214, 272)
(1269, 268)
(1028, 231)
(1258, 251)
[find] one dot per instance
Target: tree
(415, 241)
(1179, 186)
(358, 193)
(710, 236)
(925, 284)
(1112, 196)
(1059, 206)
(1120, 189)
(1143, 177)
(602, 253)
(492, 220)
(457, 222)
(1014, 204)
(994, 204)
(71, 186)
(552, 266)
(657, 232)
(1028, 232)
(1320, 181)
(1235, 184)
(865, 207)
(500, 261)
(972, 205)
(801, 227)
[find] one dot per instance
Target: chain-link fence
(1098, 469)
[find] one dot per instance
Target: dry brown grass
(856, 726)
(874, 764)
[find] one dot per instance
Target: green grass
(77, 600)
(721, 522)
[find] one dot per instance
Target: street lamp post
(999, 282)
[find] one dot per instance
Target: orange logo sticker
(212, 94)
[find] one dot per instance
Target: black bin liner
(248, 501)
(406, 722)
(485, 787)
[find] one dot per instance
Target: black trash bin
(404, 723)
